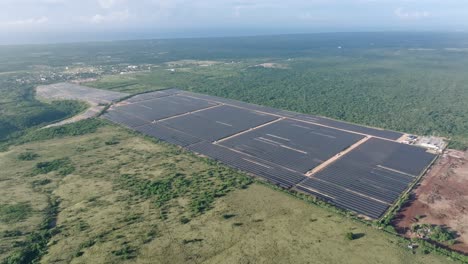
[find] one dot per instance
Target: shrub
(184, 220)
(435, 233)
(112, 141)
(28, 156)
(15, 212)
(228, 216)
(36, 243)
(12, 233)
(126, 252)
(62, 166)
(41, 182)
(349, 236)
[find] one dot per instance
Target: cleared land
(102, 218)
(441, 199)
(283, 146)
(96, 98)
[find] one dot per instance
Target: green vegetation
(62, 166)
(126, 252)
(73, 129)
(12, 233)
(349, 236)
(112, 141)
(10, 213)
(200, 189)
(435, 233)
(28, 156)
(19, 110)
(36, 243)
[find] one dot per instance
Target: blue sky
(161, 18)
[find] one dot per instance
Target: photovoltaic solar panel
(217, 123)
(269, 171)
(374, 171)
(168, 135)
(123, 119)
(282, 146)
(160, 108)
(292, 144)
(350, 127)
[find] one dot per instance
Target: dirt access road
(441, 199)
(96, 98)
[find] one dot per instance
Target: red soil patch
(441, 199)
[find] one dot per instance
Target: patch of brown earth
(441, 199)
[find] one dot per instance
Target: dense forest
(415, 83)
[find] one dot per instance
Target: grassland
(103, 217)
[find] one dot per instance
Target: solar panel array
(152, 95)
(377, 171)
(292, 144)
(219, 122)
(282, 146)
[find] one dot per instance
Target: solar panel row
(123, 119)
(153, 95)
(167, 134)
(269, 171)
(350, 127)
(343, 198)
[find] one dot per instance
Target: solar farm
(356, 168)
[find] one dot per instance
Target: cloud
(107, 4)
(414, 15)
(26, 22)
(118, 16)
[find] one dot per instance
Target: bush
(15, 212)
(112, 141)
(228, 216)
(13, 233)
(74, 129)
(36, 243)
(62, 166)
(41, 182)
(435, 233)
(184, 220)
(349, 236)
(28, 156)
(126, 252)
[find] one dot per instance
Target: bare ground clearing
(96, 98)
(441, 199)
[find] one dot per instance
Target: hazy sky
(23, 17)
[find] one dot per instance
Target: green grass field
(103, 218)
